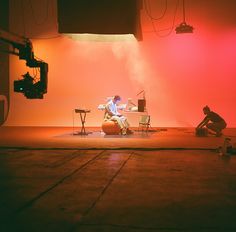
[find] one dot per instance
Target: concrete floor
(117, 190)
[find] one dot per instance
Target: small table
(82, 113)
(134, 117)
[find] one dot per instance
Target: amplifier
(141, 105)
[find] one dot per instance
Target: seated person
(111, 113)
(212, 121)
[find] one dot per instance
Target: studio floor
(62, 137)
(166, 180)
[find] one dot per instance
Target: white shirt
(111, 106)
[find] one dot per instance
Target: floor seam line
(33, 200)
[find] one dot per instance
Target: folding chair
(144, 122)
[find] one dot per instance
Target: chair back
(144, 119)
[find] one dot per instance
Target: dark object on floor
(201, 132)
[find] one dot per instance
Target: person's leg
(216, 127)
(117, 119)
(124, 121)
(219, 127)
(120, 123)
(126, 124)
(211, 127)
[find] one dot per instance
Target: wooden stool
(110, 128)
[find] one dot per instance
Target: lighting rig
(184, 27)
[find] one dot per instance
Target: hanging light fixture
(184, 27)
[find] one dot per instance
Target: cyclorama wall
(180, 73)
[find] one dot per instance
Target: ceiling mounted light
(184, 27)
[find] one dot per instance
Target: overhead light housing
(100, 17)
(184, 27)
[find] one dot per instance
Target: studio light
(184, 27)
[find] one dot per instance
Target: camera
(30, 89)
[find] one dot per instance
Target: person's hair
(117, 98)
(207, 108)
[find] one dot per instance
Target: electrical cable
(157, 32)
(38, 58)
(35, 72)
(148, 10)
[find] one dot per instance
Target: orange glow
(179, 73)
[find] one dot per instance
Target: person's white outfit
(112, 114)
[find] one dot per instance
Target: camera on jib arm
(30, 88)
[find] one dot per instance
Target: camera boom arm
(25, 52)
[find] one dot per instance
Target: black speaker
(141, 105)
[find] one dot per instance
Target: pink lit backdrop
(179, 73)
